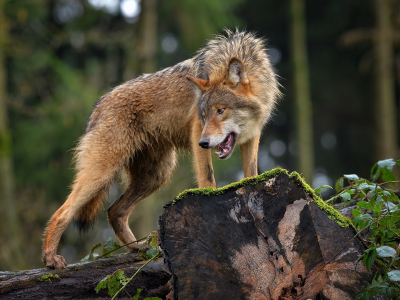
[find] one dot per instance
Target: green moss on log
(333, 214)
(48, 277)
(236, 185)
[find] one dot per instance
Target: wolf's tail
(86, 216)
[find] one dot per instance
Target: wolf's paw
(56, 262)
(135, 247)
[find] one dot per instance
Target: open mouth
(225, 149)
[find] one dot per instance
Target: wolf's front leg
(249, 153)
(202, 159)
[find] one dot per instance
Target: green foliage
(136, 297)
(152, 245)
(318, 190)
(113, 282)
(116, 282)
(109, 246)
(377, 213)
(92, 255)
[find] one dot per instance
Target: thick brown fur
(223, 96)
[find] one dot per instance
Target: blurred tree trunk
(146, 62)
(147, 42)
(385, 98)
(303, 104)
(11, 254)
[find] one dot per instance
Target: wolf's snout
(204, 143)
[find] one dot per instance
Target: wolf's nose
(204, 143)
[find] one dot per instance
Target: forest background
(339, 67)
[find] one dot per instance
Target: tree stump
(78, 281)
(267, 237)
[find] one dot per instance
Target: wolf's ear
(236, 72)
(198, 84)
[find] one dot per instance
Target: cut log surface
(78, 281)
(269, 237)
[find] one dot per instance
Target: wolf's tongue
(225, 147)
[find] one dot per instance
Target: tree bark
(78, 281)
(11, 254)
(302, 96)
(265, 240)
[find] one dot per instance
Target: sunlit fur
(138, 127)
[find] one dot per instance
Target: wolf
(220, 98)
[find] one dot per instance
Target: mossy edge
(48, 277)
(333, 214)
(235, 185)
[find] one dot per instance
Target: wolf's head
(230, 111)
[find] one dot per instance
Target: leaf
(377, 285)
(398, 162)
(389, 292)
(365, 296)
(113, 285)
(385, 251)
(339, 184)
(370, 259)
(102, 284)
(375, 171)
(360, 220)
(318, 190)
(154, 238)
(394, 275)
(355, 213)
(109, 246)
(379, 199)
(325, 186)
(363, 186)
(87, 257)
(387, 164)
(391, 206)
(361, 204)
(122, 278)
(151, 252)
(387, 175)
(136, 297)
(352, 177)
(345, 196)
(92, 255)
(393, 197)
(143, 246)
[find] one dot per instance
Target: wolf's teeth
(224, 150)
(218, 152)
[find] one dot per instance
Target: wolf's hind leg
(148, 172)
(89, 185)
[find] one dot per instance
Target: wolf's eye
(220, 111)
